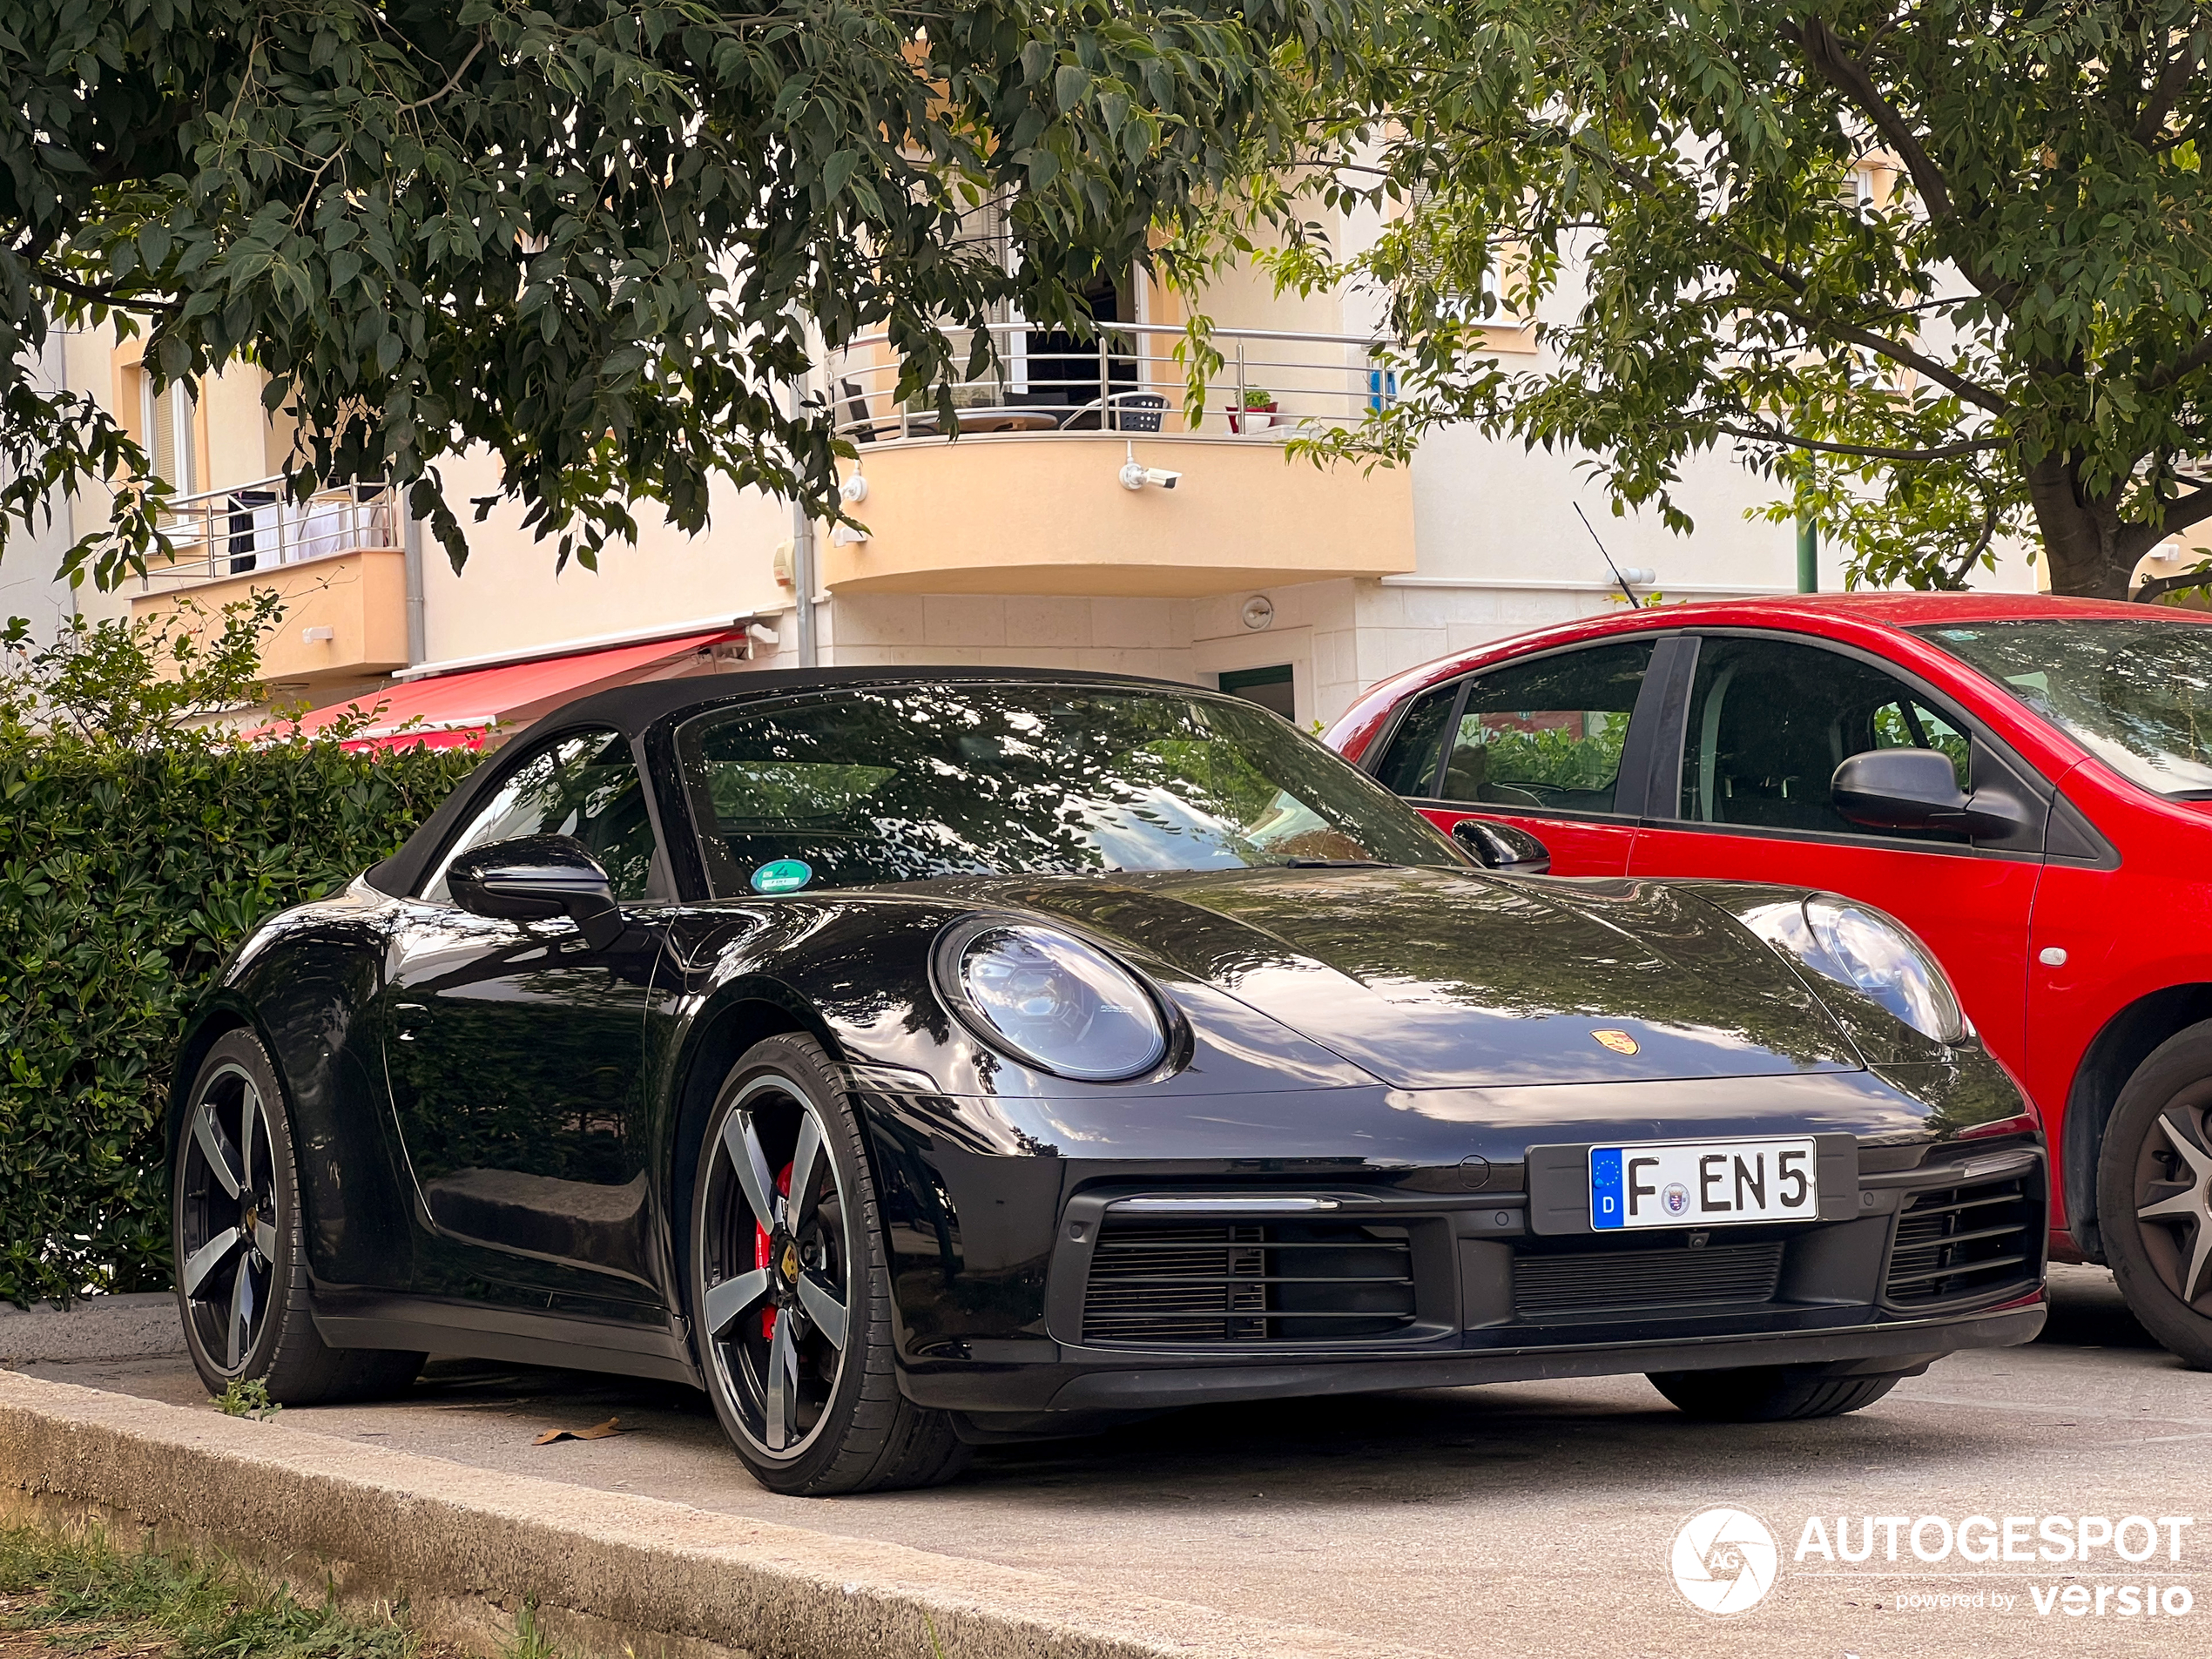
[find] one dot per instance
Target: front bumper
(1164, 1288)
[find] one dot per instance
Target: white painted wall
(1098, 635)
(29, 587)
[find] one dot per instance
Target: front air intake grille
(1638, 1281)
(1959, 1241)
(1270, 1282)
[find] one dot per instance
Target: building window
(165, 418)
(1271, 688)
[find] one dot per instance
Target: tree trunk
(2092, 553)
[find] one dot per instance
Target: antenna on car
(1634, 603)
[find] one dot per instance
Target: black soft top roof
(632, 710)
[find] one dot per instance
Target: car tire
(790, 1288)
(2154, 1194)
(241, 1243)
(1766, 1393)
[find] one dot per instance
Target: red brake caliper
(762, 1253)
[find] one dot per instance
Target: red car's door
(1552, 743)
(1764, 725)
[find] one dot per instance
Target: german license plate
(1703, 1183)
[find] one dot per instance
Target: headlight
(1052, 1002)
(1863, 950)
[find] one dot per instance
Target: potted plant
(1257, 415)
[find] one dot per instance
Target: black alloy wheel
(2154, 1194)
(227, 1232)
(241, 1261)
(791, 1291)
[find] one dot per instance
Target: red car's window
(1769, 721)
(2137, 695)
(1548, 734)
(1408, 766)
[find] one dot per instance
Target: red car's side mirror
(1914, 789)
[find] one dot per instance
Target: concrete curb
(140, 1326)
(467, 1545)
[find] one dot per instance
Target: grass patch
(75, 1594)
(244, 1398)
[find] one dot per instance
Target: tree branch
(59, 284)
(1833, 62)
(2171, 80)
(1955, 578)
(452, 81)
(2191, 508)
(1906, 357)
(2187, 363)
(2157, 587)
(1869, 451)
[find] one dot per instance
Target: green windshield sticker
(782, 875)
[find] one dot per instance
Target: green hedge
(126, 879)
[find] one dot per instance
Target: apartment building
(1077, 518)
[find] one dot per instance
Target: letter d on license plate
(1703, 1183)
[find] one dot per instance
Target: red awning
(458, 711)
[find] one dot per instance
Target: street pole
(418, 624)
(802, 581)
(1808, 556)
(802, 552)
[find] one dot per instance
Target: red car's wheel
(2154, 1194)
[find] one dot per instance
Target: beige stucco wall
(509, 596)
(361, 596)
(1046, 514)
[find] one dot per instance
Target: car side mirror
(1502, 847)
(1915, 789)
(538, 878)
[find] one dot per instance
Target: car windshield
(2137, 695)
(907, 783)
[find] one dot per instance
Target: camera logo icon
(1725, 1561)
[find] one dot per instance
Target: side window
(1769, 722)
(582, 784)
(1409, 764)
(1548, 734)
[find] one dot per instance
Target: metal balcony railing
(243, 528)
(1271, 385)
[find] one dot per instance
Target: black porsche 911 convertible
(913, 1060)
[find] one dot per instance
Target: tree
(139, 685)
(589, 235)
(1944, 270)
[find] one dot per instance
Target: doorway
(1272, 688)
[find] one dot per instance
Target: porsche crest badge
(1619, 1042)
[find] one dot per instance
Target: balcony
(334, 560)
(1024, 495)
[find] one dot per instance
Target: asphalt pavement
(1531, 1518)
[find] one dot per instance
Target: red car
(2025, 782)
